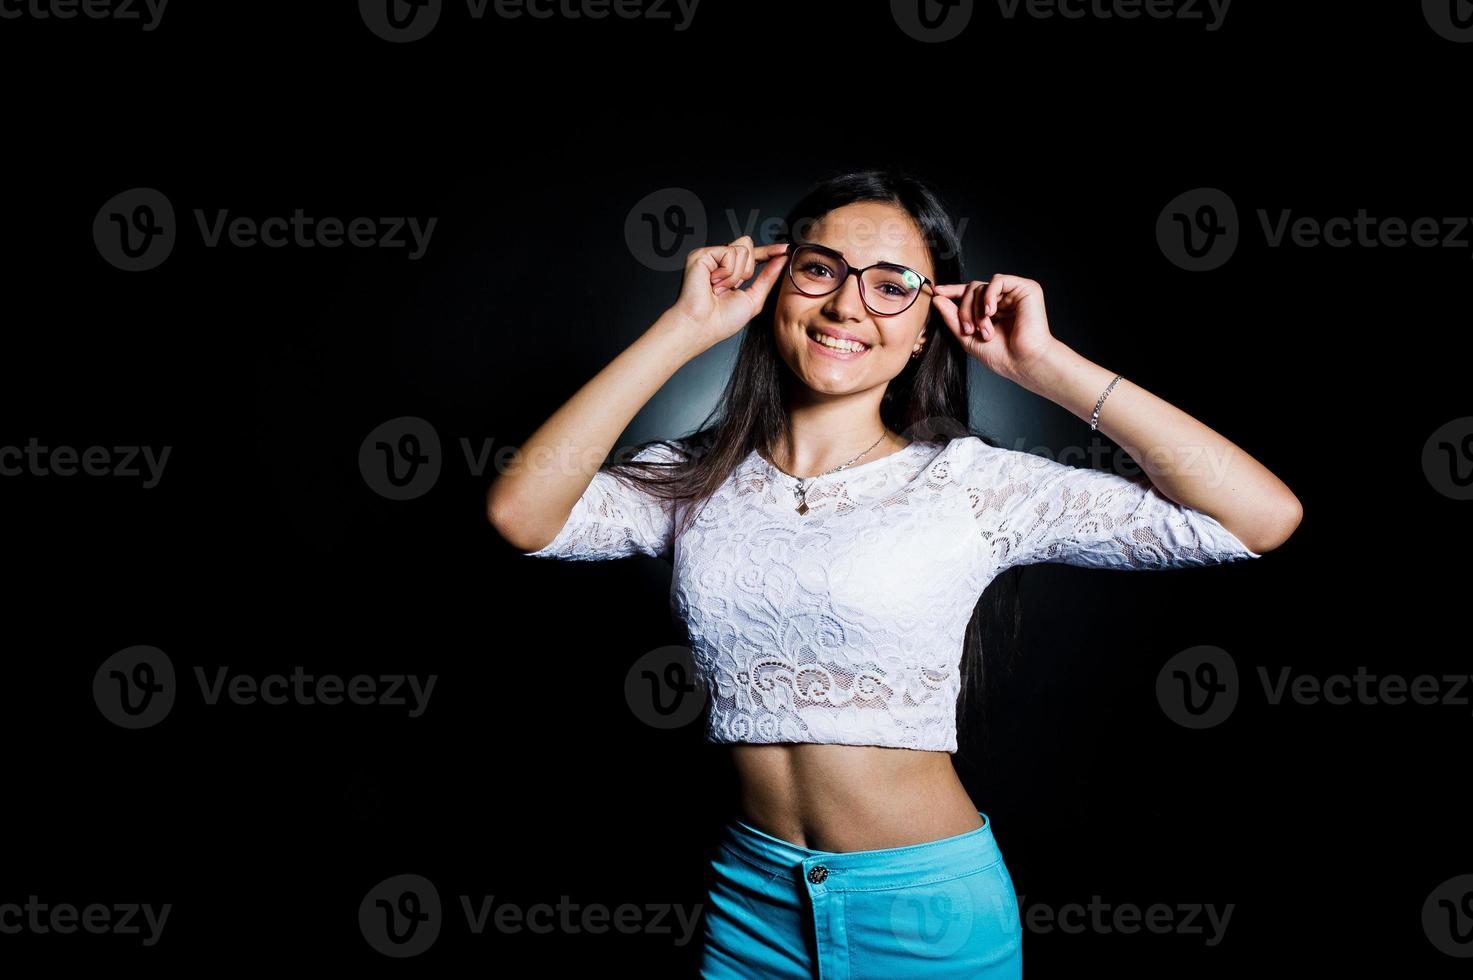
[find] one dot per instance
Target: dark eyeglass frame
(850, 270)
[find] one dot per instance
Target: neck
(823, 436)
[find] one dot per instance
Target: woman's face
(865, 232)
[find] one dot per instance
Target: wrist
(1068, 379)
(1045, 372)
(679, 332)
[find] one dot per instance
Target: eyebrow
(905, 265)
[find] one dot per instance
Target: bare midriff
(851, 797)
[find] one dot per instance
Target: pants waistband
(886, 867)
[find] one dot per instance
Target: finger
(955, 289)
(979, 312)
(707, 260)
(969, 308)
(777, 250)
(721, 276)
(951, 314)
(726, 267)
(762, 285)
(995, 289)
(947, 309)
(744, 263)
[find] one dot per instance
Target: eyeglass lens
(887, 290)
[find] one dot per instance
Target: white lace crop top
(846, 624)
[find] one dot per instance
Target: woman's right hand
(711, 298)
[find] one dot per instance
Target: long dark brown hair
(928, 401)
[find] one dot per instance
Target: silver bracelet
(1094, 422)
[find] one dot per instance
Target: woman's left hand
(1000, 322)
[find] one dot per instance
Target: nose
(846, 303)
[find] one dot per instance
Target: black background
(528, 778)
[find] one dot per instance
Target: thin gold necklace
(800, 491)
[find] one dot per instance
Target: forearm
(532, 496)
(1184, 459)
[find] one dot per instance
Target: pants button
(817, 874)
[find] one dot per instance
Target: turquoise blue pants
(945, 908)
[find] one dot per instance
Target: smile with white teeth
(836, 343)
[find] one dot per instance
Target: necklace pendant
(803, 508)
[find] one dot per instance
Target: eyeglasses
(885, 288)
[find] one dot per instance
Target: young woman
(832, 530)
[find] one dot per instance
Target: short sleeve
(1032, 510)
(616, 520)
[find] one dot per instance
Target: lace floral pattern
(846, 624)
(1032, 509)
(614, 520)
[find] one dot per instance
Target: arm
(1031, 509)
(1186, 461)
(530, 501)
